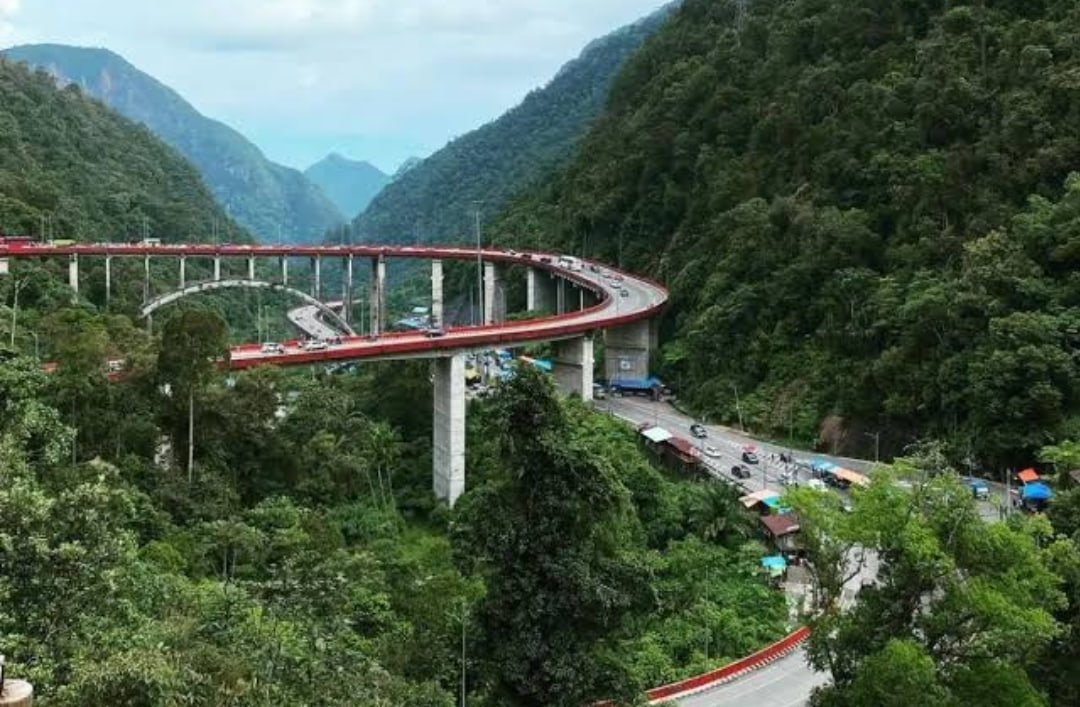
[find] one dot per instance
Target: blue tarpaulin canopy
(1037, 491)
(775, 564)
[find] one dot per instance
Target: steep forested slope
(434, 200)
(73, 166)
(854, 205)
(261, 195)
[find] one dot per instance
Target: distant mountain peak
(350, 184)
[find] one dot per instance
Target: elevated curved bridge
(211, 285)
(586, 297)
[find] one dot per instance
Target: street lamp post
(738, 407)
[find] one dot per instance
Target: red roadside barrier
(750, 662)
(724, 673)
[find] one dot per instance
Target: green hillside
(73, 167)
(434, 199)
(861, 209)
(266, 198)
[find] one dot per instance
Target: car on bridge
(741, 471)
(711, 451)
(698, 430)
(314, 345)
(749, 457)
(272, 348)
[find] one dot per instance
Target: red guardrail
(754, 660)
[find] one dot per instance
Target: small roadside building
(679, 453)
(783, 530)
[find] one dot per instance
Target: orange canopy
(1028, 475)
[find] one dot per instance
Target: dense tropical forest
(435, 200)
(864, 211)
(302, 559)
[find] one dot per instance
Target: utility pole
(877, 445)
(479, 267)
(738, 407)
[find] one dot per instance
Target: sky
(380, 80)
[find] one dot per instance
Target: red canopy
(1028, 475)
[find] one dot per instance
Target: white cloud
(387, 77)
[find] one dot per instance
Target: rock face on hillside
(264, 197)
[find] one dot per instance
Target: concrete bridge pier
(494, 294)
(378, 296)
(316, 286)
(574, 367)
(347, 288)
(284, 263)
(627, 349)
(146, 278)
(5, 267)
(108, 280)
(560, 295)
(217, 268)
(183, 271)
(251, 267)
(436, 294)
(540, 292)
(73, 275)
(448, 448)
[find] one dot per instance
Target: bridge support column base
(437, 294)
(73, 276)
(5, 268)
(494, 294)
(574, 367)
(626, 351)
(540, 292)
(378, 296)
(448, 448)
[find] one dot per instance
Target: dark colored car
(434, 333)
(749, 458)
(740, 471)
(698, 431)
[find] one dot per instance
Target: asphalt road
(307, 320)
(789, 681)
(785, 683)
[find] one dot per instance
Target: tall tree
(958, 605)
(551, 539)
(193, 344)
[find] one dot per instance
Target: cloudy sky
(373, 79)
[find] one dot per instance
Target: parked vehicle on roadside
(741, 471)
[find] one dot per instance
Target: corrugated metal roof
(684, 446)
(656, 434)
(782, 525)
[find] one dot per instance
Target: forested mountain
(350, 184)
(434, 200)
(74, 168)
(864, 212)
(261, 195)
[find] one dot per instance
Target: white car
(315, 345)
(711, 451)
(272, 348)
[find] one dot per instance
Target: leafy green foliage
(958, 610)
(266, 198)
(863, 211)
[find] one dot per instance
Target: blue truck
(651, 387)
